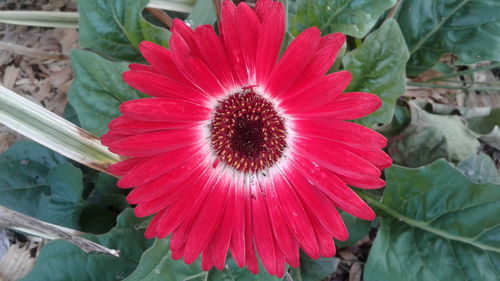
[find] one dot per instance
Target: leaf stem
(374, 202)
(468, 71)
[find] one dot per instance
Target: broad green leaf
(98, 90)
(41, 184)
(157, 265)
(110, 194)
(429, 137)
(232, 272)
(314, 270)
(378, 67)
(468, 28)
(357, 228)
(480, 169)
(203, 13)
(485, 124)
(62, 261)
(436, 225)
(115, 28)
(352, 17)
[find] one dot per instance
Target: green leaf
(98, 90)
(314, 270)
(378, 67)
(357, 228)
(62, 261)
(115, 28)
(39, 183)
(468, 28)
(203, 13)
(110, 194)
(157, 265)
(430, 136)
(436, 225)
(232, 273)
(484, 124)
(352, 17)
(480, 169)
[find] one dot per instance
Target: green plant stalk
(40, 18)
(53, 131)
(70, 19)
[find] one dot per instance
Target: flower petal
(163, 109)
(157, 85)
(347, 106)
(294, 60)
(272, 31)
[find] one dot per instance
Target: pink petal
(140, 67)
(363, 181)
(238, 236)
(180, 28)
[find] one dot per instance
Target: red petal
(238, 237)
(156, 166)
(193, 68)
(207, 221)
(140, 67)
(320, 207)
(347, 106)
(160, 60)
(262, 7)
(294, 60)
(363, 181)
(271, 35)
(180, 28)
(336, 159)
(110, 137)
(124, 125)
(263, 233)
(122, 167)
(162, 109)
(157, 85)
(321, 92)
(231, 40)
(336, 189)
(214, 55)
(299, 223)
(153, 143)
(348, 133)
(249, 29)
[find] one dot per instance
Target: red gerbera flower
(239, 151)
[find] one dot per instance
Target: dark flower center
(247, 132)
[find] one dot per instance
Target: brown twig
(15, 220)
(218, 8)
(161, 16)
(32, 52)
